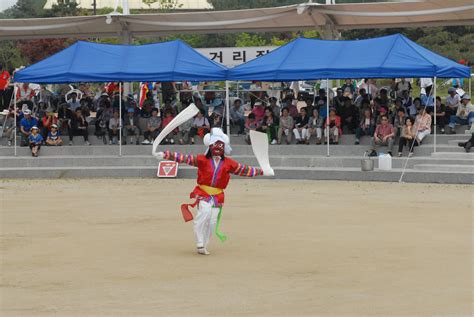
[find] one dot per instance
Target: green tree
(25, 9)
(246, 39)
(64, 8)
(10, 55)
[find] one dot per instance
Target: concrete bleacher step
(445, 168)
(315, 150)
(346, 174)
(459, 155)
(275, 161)
(347, 139)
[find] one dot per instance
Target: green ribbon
(219, 234)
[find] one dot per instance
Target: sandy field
(295, 248)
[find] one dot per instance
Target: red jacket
(211, 175)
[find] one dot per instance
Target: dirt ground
(121, 248)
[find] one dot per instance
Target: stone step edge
(289, 168)
(289, 156)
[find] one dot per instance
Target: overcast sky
(5, 4)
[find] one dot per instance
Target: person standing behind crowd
(348, 87)
(402, 86)
(131, 127)
(407, 137)
(366, 125)
(237, 115)
(35, 139)
(269, 125)
(25, 95)
(301, 127)
(384, 135)
(315, 126)
(9, 127)
(4, 82)
(79, 127)
(114, 128)
(153, 126)
(423, 124)
(25, 126)
(54, 136)
(286, 125)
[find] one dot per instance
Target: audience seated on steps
(356, 111)
(114, 128)
(79, 127)
(301, 127)
(26, 124)
(407, 137)
(270, 125)
(153, 127)
(54, 136)
(468, 144)
(131, 132)
(332, 126)
(384, 135)
(35, 139)
(286, 126)
(464, 114)
(366, 126)
(423, 124)
(315, 126)
(237, 115)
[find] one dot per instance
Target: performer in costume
(214, 170)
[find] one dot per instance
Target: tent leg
(14, 112)
(327, 116)
(434, 115)
(120, 119)
(227, 107)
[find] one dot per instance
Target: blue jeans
(454, 119)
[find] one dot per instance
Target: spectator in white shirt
(114, 128)
(453, 100)
(464, 114)
(131, 127)
(237, 115)
(73, 102)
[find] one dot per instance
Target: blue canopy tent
(390, 56)
(93, 62)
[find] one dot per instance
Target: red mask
(217, 149)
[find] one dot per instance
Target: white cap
(215, 135)
(27, 111)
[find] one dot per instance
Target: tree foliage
(454, 42)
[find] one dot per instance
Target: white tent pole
(120, 119)
(227, 107)
(470, 79)
(434, 106)
(14, 113)
(327, 114)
